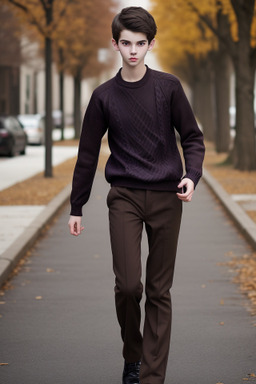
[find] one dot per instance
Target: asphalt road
(58, 323)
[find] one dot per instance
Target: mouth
(133, 59)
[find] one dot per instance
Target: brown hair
(135, 19)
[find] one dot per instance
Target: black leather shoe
(131, 373)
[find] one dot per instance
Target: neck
(133, 74)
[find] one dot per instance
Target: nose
(133, 49)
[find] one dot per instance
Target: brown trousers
(129, 210)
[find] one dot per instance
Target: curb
(245, 224)
(10, 258)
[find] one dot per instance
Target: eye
(141, 43)
(125, 43)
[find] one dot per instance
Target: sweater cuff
(76, 211)
(194, 176)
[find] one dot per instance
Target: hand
(189, 187)
(75, 225)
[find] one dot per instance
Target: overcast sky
(138, 3)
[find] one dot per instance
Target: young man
(140, 108)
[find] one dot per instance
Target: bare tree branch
(61, 15)
(19, 5)
(225, 39)
(44, 5)
(30, 15)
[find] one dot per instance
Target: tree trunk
(35, 90)
(48, 107)
(48, 96)
(222, 89)
(203, 100)
(77, 104)
(222, 86)
(62, 121)
(244, 154)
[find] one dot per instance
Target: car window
(15, 126)
(28, 121)
(9, 124)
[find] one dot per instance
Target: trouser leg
(162, 228)
(125, 235)
(161, 212)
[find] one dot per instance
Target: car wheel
(23, 152)
(11, 151)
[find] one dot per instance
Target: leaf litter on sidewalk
(236, 182)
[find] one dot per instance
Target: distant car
(13, 139)
(56, 118)
(34, 127)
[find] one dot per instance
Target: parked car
(34, 127)
(13, 139)
(56, 116)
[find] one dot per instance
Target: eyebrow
(128, 41)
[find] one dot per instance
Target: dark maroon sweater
(140, 118)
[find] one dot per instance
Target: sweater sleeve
(190, 134)
(93, 128)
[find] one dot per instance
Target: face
(133, 47)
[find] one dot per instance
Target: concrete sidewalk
(20, 168)
(236, 206)
(21, 225)
(58, 322)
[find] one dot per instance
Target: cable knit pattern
(140, 118)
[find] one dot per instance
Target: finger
(73, 229)
(181, 196)
(186, 197)
(78, 229)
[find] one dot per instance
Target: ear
(115, 45)
(151, 45)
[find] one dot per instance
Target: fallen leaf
(2, 302)
(38, 297)
(49, 270)
(222, 302)
(4, 363)
(221, 323)
(250, 375)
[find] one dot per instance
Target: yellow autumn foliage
(82, 32)
(182, 29)
(33, 13)
(180, 32)
(78, 27)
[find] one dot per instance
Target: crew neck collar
(133, 84)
